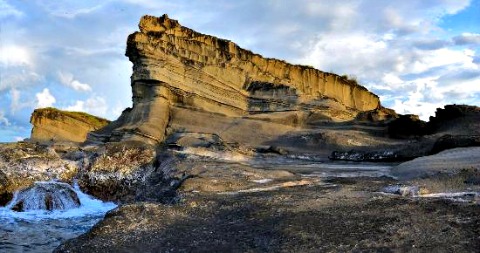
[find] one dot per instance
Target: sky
(417, 55)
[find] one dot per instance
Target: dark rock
(114, 171)
(271, 150)
(451, 112)
(455, 141)
(5, 198)
(463, 119)
(407, 126)
(162, 182)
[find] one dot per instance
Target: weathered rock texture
(50, 124)
(447, 162)
(23, 163)
(174, 66)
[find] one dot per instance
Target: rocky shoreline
(226, 151)
(347, 216)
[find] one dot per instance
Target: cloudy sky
(416, 54)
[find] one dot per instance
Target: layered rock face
(50, 124)
(174, 66)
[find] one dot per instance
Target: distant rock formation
(50, 124)
(452, 119)
(175, 67)
(456, 119)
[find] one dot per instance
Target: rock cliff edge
(176, 67)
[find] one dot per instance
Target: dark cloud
(453, 77)
(467, 39)
(431, 44)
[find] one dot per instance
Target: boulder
(47, 196)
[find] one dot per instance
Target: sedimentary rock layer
(176, 66)
(221, 71)
(50, 124)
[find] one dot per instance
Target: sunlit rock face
(50, 124)
(45, 196)
(176, 67)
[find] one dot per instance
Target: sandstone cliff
(176, 67)
(53, 124)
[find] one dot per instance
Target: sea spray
(43, 230)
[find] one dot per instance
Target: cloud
(15, 103)
(67, 80)
(18, 138)
(71, 9)
(467, 39)
(13, 132)
(45, 99)
(13, 55)
(431, 44)
(3, 120)
(398, 49)
(94, 105)
(7, 10)
(399, 53)
(17, 67)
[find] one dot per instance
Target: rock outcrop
(176, 67)
(46, 196)
(50, 124)
(23, 163)
(448, 162)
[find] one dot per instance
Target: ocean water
(42, 231)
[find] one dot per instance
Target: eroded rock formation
(176, 67)
(50, 124)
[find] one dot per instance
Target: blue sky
(417, 55)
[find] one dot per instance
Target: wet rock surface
(359, 156)
(345, 217)
(22, 164)
(47, 196)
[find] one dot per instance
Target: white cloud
(18, 138)
(18, 77)
(68, 80)
(6, 10)
(70, 9)
(45, 99)
(15, 103)
(3, 120)
(95, 105)
(399, 54)
(12, 55)
(116, 111)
